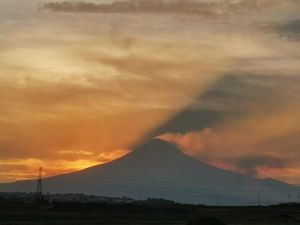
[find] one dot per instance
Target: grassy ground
(19, 214)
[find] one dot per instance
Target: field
(105, 214)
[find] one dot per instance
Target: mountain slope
(158, 169)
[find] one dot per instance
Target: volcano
(158, 169)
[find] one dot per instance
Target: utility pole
(218, 200)
(259, 199)
(39, 191)
(178, 199)
(289, 198)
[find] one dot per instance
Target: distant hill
(158, 169)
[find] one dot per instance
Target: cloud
(80, 152)
(252, 144)
(234, 97)
(74, 83)
(27, 168)
(109, 156)
(251, 164)
(93, 94)
(67, 161)
(240, 153)
(133, 6)
(290, 29)
(243, 123)
(207, 9)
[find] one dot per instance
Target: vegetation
(141, 213)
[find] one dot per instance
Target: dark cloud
(233, 97)
(209, 9)
(134, 6)
(251, 164)
(290, 29)
(242, 123)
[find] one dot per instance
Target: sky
(83, 83)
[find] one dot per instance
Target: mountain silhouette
(158, 169)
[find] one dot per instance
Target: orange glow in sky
(80, 89)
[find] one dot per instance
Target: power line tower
(39, 191)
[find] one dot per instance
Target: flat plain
(130, 214)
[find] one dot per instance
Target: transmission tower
(39, 191)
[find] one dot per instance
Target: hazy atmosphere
(84, 82)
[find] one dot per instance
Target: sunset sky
(83, 84)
